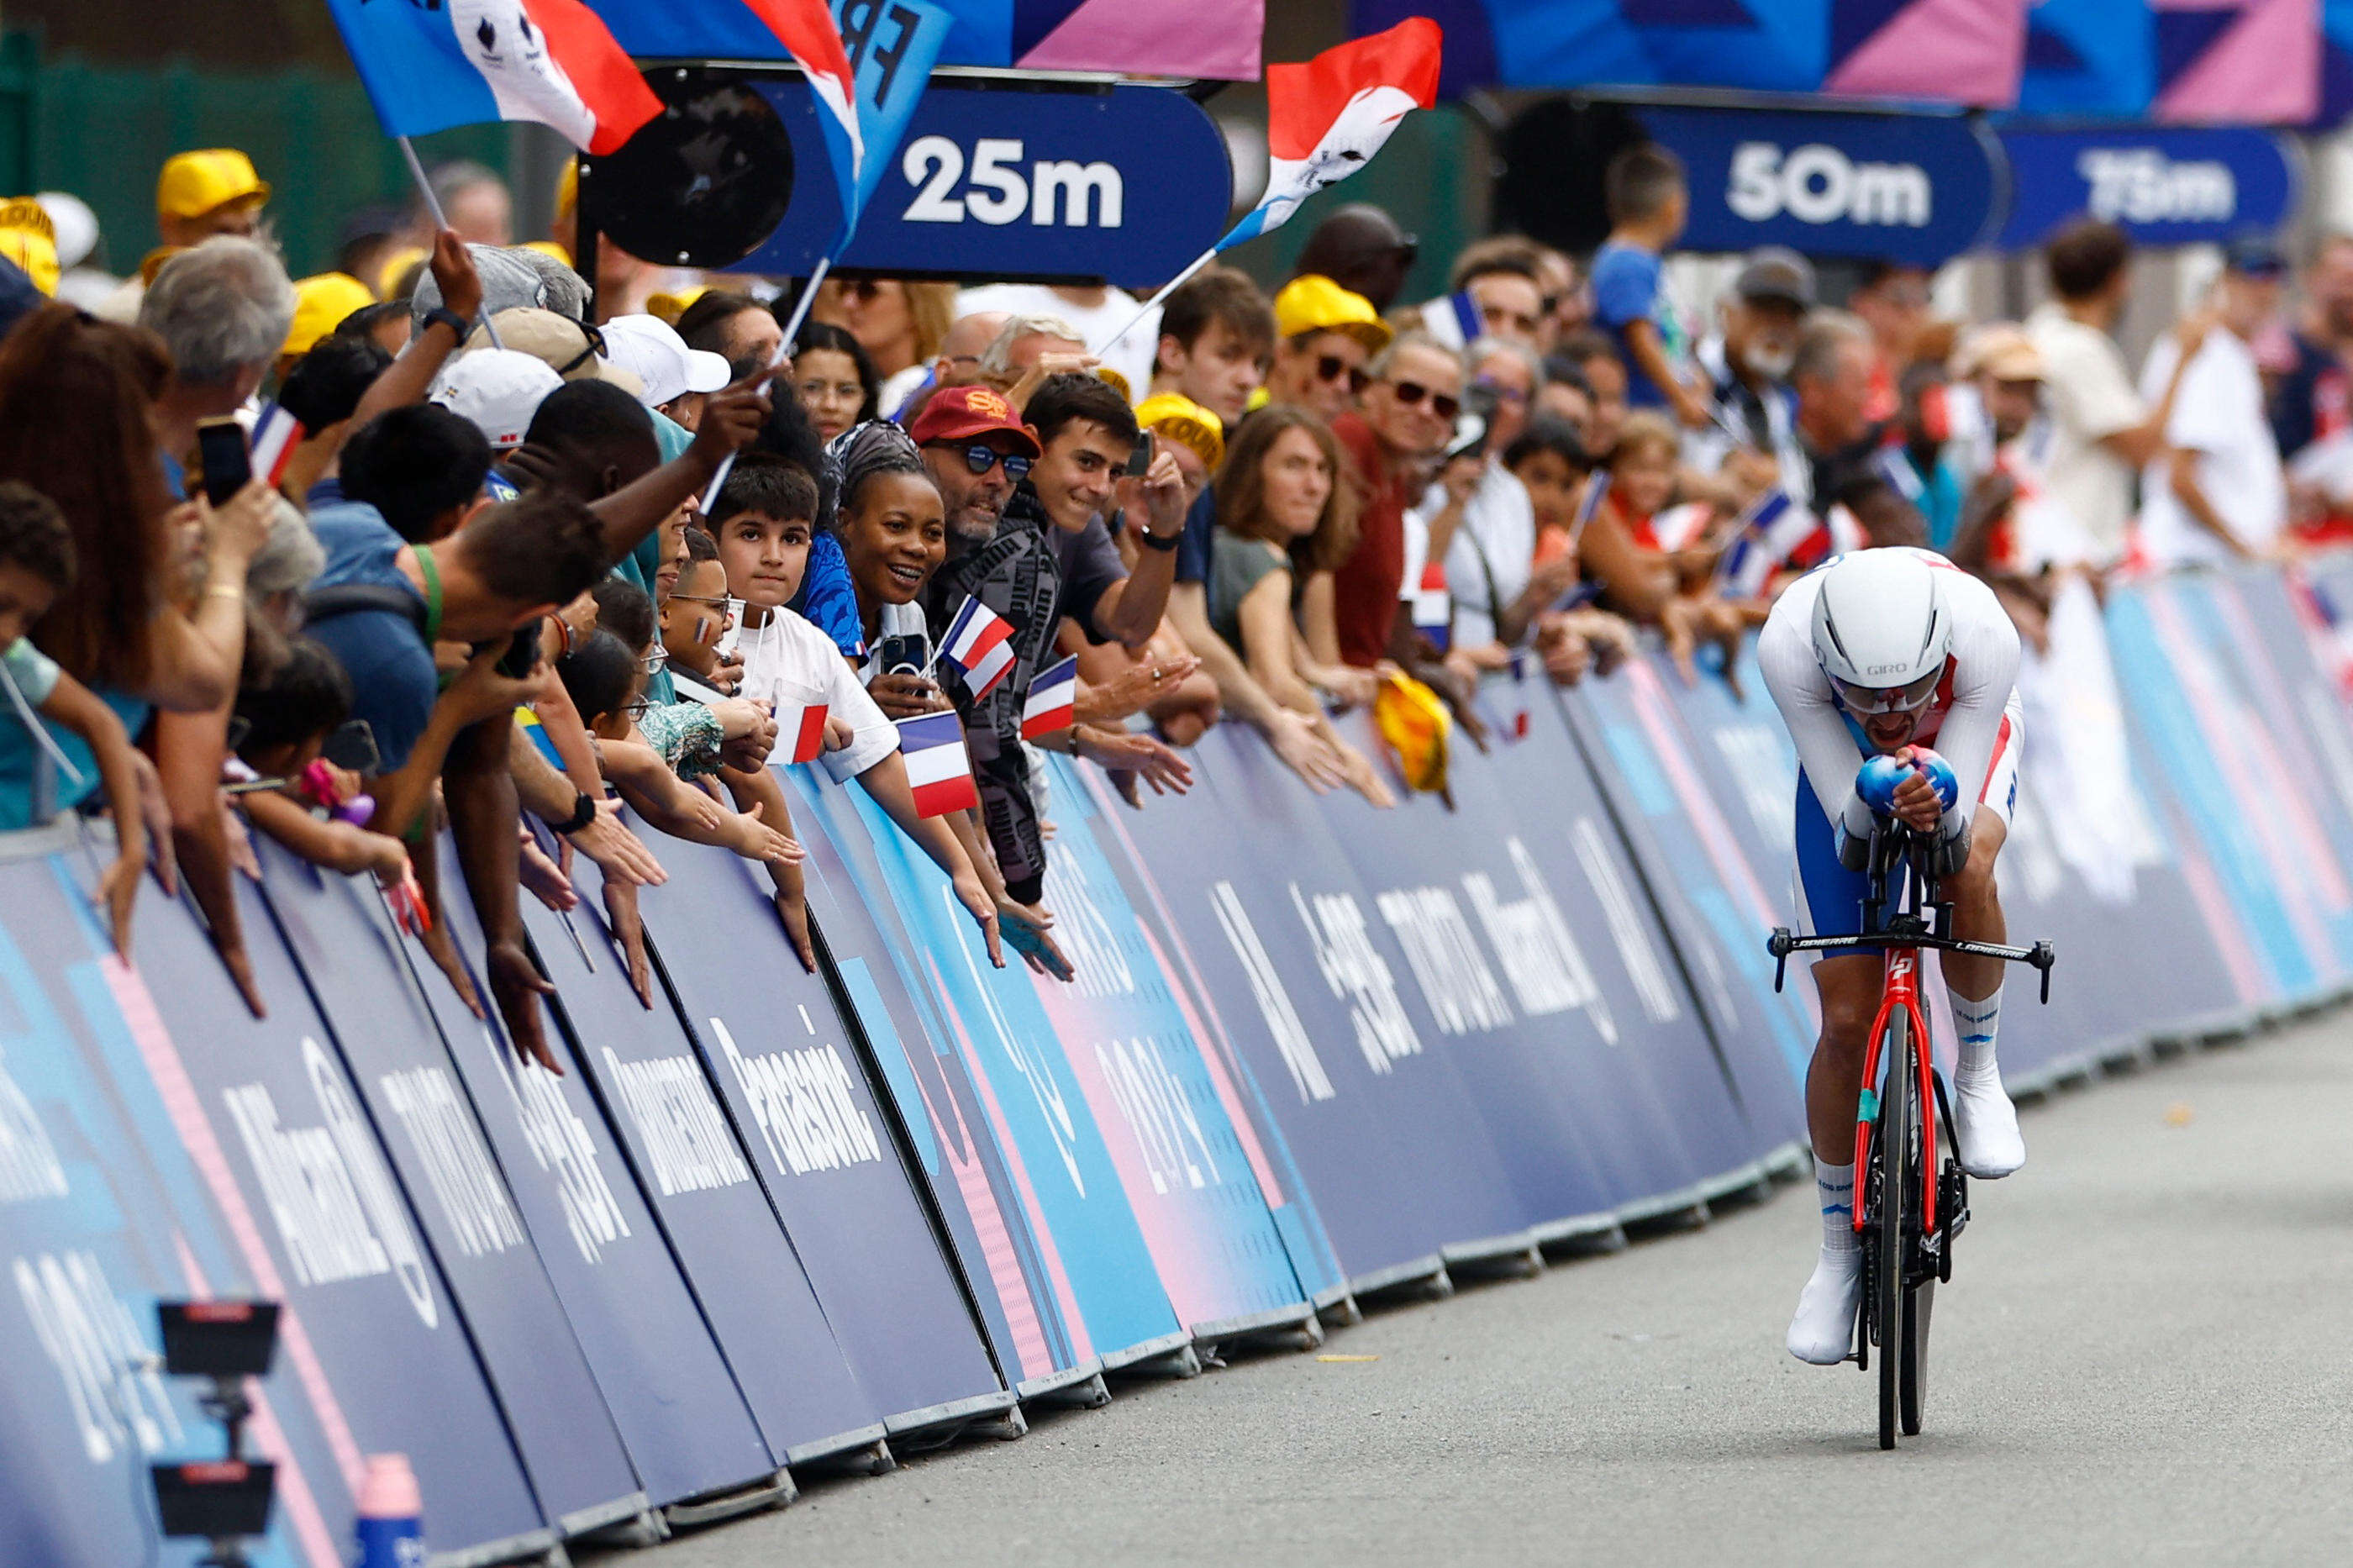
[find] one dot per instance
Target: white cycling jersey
(1964, 722)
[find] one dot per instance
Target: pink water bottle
(391, 1522)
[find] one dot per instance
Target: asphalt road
(2145, 1357)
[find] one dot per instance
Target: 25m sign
(997, 185)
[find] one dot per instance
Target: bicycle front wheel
(1896, 1110)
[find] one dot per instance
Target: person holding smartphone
(895, 535)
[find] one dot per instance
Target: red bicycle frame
(1902, 990)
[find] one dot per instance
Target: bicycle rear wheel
(1886, 1242)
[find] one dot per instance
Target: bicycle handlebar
(1784, 942)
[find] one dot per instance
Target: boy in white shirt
(762, 523)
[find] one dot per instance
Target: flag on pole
(800, 730)
(979, 644)
(890, 82)
(808, 31)
(468, 62)
(1774, 532)
(275, 436)
(1327, 119)
(938, 772)
(1053, 700)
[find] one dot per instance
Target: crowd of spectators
(565, 569)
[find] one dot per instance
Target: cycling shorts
(1829, 897)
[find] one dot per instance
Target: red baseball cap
(961, 413)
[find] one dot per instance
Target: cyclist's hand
(1917, 806)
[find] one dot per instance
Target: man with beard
(1747, 366)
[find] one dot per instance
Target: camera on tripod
(225, 1499)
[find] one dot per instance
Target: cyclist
(1873, 654)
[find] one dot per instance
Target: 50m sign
(996, 189)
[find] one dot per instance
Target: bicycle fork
(1903, 990)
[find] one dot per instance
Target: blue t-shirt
(1625, 290)
(827, 599)
(1196, 546)
(391, 666)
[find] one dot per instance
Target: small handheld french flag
(979, 644)
(1433, 606)
(1772, 534)
(275, 436)
(1053, 700)
(800, 730)
(938, 770)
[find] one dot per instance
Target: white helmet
(1881, 630)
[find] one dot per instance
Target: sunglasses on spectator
(1445, 404)
(1330, 368)
(980, 458)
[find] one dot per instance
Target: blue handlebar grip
(1939, 774)
(1875, 785)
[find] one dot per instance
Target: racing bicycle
(1913, 1198)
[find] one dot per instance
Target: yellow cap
(670, 307)
(193, 184)
(29, 239)
(394, 266)
(1311, 303)
(1182, 420)
(320, 303)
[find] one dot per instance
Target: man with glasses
(1325, 336)
(1409, 413)
(1870, 658)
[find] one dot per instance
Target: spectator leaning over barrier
(2218, 494)
(1750, 441)
(2101, 429)
(1217, 338)
(1361, 249)
(1325, 336)
(1409, 415)
(836, 380)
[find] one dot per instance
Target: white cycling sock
(1835, 1183)
(1977, 1022)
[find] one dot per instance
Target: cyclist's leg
(1830, 899)
(1985, 1123)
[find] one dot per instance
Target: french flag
(979, 644)
(938, 770)
(275, 436)
(1774, 531)
(808, 31)
(428, 68)
(1053, 701)
(1433, 606)
(800, 730)
(1327, 119)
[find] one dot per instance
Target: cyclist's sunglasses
(1330, 368)
(980, 458)
(1875, 700)
(1446, 405)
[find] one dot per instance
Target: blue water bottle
(391, 1514)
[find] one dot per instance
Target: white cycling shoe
(1823, 1331)
(1984, 1124)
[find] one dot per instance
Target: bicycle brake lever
(2043, 959)
(1778, 944)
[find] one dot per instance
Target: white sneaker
(1823, 1331)
(1984, 1124)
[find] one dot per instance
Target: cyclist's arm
(1985, 667)
(1826, 750)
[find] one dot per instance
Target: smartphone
(907, 654)
(223, 456)
(1139, 461)
(351, 747)
(522, 652)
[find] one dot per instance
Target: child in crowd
(1551, 463)
(697, 616)
(762, 524)
(287, 722)
(1648, 203)
(606, 680)
(36, 564)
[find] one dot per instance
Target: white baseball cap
(651, 348)
(498, 390)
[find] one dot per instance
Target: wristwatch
(584, 812)
(457, 323)
(1160, 542)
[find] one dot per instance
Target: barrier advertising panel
(820, 1146)
(268, 1112)
(384, 1032)
(680, 1415)
(697, 1177)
